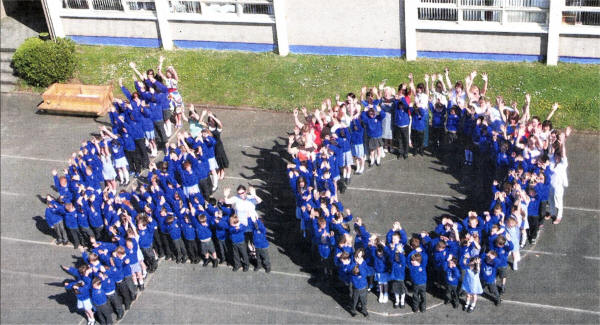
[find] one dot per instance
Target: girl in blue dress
(471, 284)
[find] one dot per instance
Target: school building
(501, 30)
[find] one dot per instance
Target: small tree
(41, 63)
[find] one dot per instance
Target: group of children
(170, 214)
(524, 158)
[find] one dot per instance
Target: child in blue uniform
(471, 284)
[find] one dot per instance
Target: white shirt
(244, 208)
(559, 173)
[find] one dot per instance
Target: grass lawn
(269, 81)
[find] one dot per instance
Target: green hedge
(41, 63)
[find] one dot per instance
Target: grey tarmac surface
(558, 281)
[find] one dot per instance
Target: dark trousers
(61, 232)
(104, 314)
(141, 153)
(437, 138)
(117, 303)
(132, 161)
(534, 226)
(98, 232)
(222, 249)
(452, 294)
(125, 292)
(262, 259)
(417, 141)
(240, 255)
(493, 291)
(359, 295)
(161, 134)
(158, 245)
(149, 258)
(76, 237)
(205, 187)
(166, 244)
(192, 249)
(180, 251)
(401, 137)
(86, 234)
(419, 298)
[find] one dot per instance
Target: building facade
(500, 30)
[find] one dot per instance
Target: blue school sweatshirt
(402, 113)
(259, 234)
(359, 281)
(373, 125)
(98, 297)
(397, 263)
(438, 117)
(488, 269)
(503, 253)
(452, 274)
(237, 234)
(418, 274)
(357, 132)
(420, 118)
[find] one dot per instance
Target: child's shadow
(65, 298)
(338, 293)
(42, 225)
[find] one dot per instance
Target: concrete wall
(371, 24)
(579, 46)
(222, 32)
(110, 27)
(481, 42)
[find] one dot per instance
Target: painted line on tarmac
(559, 254)
(51, 243)
(402, 314)
(531, 304)
(146, 281)
(14, 194)
(243, 304)
(33, 158)
(405, 193)
(581, 209)
(41, 276)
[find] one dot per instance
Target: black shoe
(464, 307)
(268, 269)
(127, 307)
(206, 261)
(423, 309)
(402, 306)
(235, 269)
(353, 313)
(256, 268)
(446, 301)
(396, 306)
(498, 302)
(364, 312)
(414, 309)
(119, 317)
(470, 310)
(215, 263)
(141, 287)
(245, 269)
(501, 289)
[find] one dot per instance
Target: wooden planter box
(77, 99)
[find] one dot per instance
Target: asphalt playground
(557, 282)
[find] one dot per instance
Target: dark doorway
(27, 12)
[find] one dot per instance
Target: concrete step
(6, 56)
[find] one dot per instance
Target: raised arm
(554, 108)
(133, 66)
(484, 76)
(447, 75)
(160, 63)
(526, 113)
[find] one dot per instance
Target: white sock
(397, 300)
(126, 176)
(402, 296)
(215, 180)
(378, 159)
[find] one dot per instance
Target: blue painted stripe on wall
(321, 50)
(341, 50)
(118, 41)
(479, 56)
(229, 46)
(581, 60)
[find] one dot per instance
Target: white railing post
(124, 5)
(410, 29)
(459, 12)
(283, 45)
(554, 23)
(53, 19)
(164, 30)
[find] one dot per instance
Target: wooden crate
(77, 99)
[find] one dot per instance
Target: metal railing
(499, 11)
(220, 7)
(110, 5)
(581, 12)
